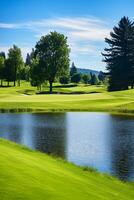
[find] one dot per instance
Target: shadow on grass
(5, 86)
(69, 93)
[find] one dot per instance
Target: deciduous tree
(53, 53)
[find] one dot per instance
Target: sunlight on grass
(32, 175)
(95, 98)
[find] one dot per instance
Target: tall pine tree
(119, 56)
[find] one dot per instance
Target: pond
(99, 140)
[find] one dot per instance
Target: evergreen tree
(64, 79)
(94, 79)
(86, 78)
(32, 54)
(120, 55)
(101, 76)
(76, 78)
(2, 54)
(9, 70)
(73, 69)
(28, 59)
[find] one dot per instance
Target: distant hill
(87, 71)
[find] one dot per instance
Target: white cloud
(82, 32)
(7, 26)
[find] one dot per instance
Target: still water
(99, 140)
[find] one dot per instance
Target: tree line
(47, 61)
(10, 67)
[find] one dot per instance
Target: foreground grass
(73, 98)
(29, 175)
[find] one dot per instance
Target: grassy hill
(66, 98)
(30, 175)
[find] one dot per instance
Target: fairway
(94, 98)
(26, 174)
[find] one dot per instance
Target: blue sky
(85, 22)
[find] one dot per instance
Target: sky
(85, 22)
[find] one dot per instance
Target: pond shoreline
(31, 110)
(84, 168)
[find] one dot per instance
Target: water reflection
(46, 133)
(122, 147)
(100, 140)
(50, 134)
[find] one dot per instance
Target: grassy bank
(29, 175)
(66, 98)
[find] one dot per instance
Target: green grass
(30, 175)
(73, 98)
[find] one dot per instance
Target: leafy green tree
(15, 58)
(119, 57)
(53, 53)
(2, 67)
(36, 74)
(25, 72)
(86, 78)
(76, 78)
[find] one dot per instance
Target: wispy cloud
(83, 32)
(7, 26)
(88, 28)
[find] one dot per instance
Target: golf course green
(65, 98)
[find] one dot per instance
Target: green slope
(29, 175)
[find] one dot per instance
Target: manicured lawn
(29, 175)
(94, 98)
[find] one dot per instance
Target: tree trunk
(14, 83)
(132, 86)
(39, 87)
(19, 82)
(1, 82)
(8, 83)
(51, 87)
